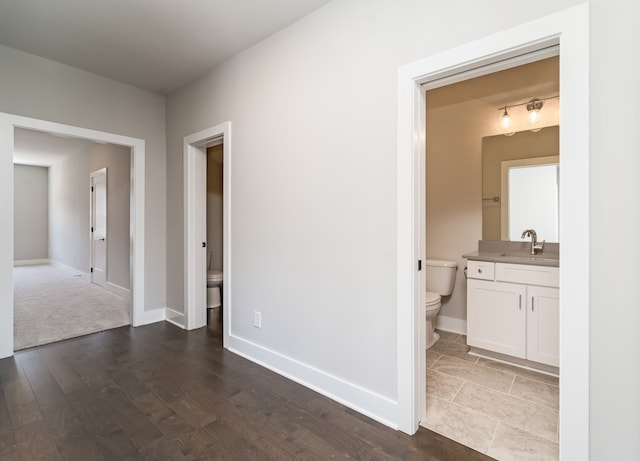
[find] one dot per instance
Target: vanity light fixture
(533, 108)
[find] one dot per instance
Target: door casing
(8, 124)
(570, 30)
(195, 227)
(98, 227)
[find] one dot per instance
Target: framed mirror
(530, 198)
(527, 166)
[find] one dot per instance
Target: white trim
(8, 122)
(153, 316)
(569, 29)
(195, 285)
(511, 62)
(69, 268)
(30, 262)
(112, 287)
(118, 290)
(60, 265)
(175, 317)
(92, 205)
(451, 324)
(360, 399)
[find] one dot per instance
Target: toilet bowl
(432, 303)
(441, 275)
(214, 280)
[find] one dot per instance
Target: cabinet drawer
(482, 270)
(529, 274)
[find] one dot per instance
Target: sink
(530, 256)
(500, 251)
(540, 258)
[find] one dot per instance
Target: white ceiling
(158, 45)
(44, 149)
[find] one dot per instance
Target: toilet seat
(432, 300)
(214, 276)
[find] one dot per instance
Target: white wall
(615, 216)
(34, 87)
(313, 196)
(69, 210)
(31, 222)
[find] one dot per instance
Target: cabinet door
(496, 316)
(543, 325)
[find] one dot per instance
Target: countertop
(515, 253)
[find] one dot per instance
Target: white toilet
(441, 274)
(214, 280)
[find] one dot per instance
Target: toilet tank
(440, 274)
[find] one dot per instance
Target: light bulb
(533, 107)
(506, 120)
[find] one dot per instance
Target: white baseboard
(30, 262)
(364, 401)
(152, 316)
(118, 290)
(175, 317)
(67, 267)
(451, 324)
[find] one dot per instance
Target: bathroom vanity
(513, 304)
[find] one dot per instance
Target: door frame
(570, 30)
(195, 226)
(92, 207)
(8, 123)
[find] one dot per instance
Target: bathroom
(462, 119)
(215, 235)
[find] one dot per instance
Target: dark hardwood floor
(161, 393)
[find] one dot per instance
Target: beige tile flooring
(506, 412)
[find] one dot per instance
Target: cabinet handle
(532, 303)
(520, 302)
(479, 271)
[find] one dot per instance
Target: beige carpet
(53, 303)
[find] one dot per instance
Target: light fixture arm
(533, 104)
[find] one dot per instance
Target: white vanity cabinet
(513, 309)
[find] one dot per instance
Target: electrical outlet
(257, 319)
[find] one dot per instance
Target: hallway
(159, 392)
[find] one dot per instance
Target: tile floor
(506, 412)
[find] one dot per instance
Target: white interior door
(99, 227)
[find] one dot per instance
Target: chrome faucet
(536, 248)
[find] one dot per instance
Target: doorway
(570, 30)
(465, 144)
(98, 238)
(195, 228)
(8, 124)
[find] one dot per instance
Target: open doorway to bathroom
(488, 404)
(207, 149)
(215, 236)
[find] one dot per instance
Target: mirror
(530, 163)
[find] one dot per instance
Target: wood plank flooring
(161, 393)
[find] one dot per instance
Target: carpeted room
(54, 248)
